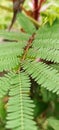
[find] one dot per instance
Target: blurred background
(49, 12)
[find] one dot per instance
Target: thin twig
(28, 46)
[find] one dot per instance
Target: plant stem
(28, 46)
(40, 4)
(37, 6)
(36, 11)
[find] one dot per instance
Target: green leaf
(2, 111)
(26, 24)
(20, 106)
(43, 74)
(16, 36)
(54, 123)
(10, 51)
(4, 85)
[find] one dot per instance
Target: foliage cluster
(29, 77)
(49, 12)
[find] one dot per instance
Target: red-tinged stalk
(37, 6)
(40, 5)
(36, 11)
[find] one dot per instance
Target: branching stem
(28, 46)
(37, 6)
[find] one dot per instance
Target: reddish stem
(40, 4)
(37, 7)
(36, 12)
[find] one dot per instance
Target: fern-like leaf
(45, 54)
(16, 36)
(9, 53)
(47, 43)
(20, 106)
(4, 85)
(44, 75)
